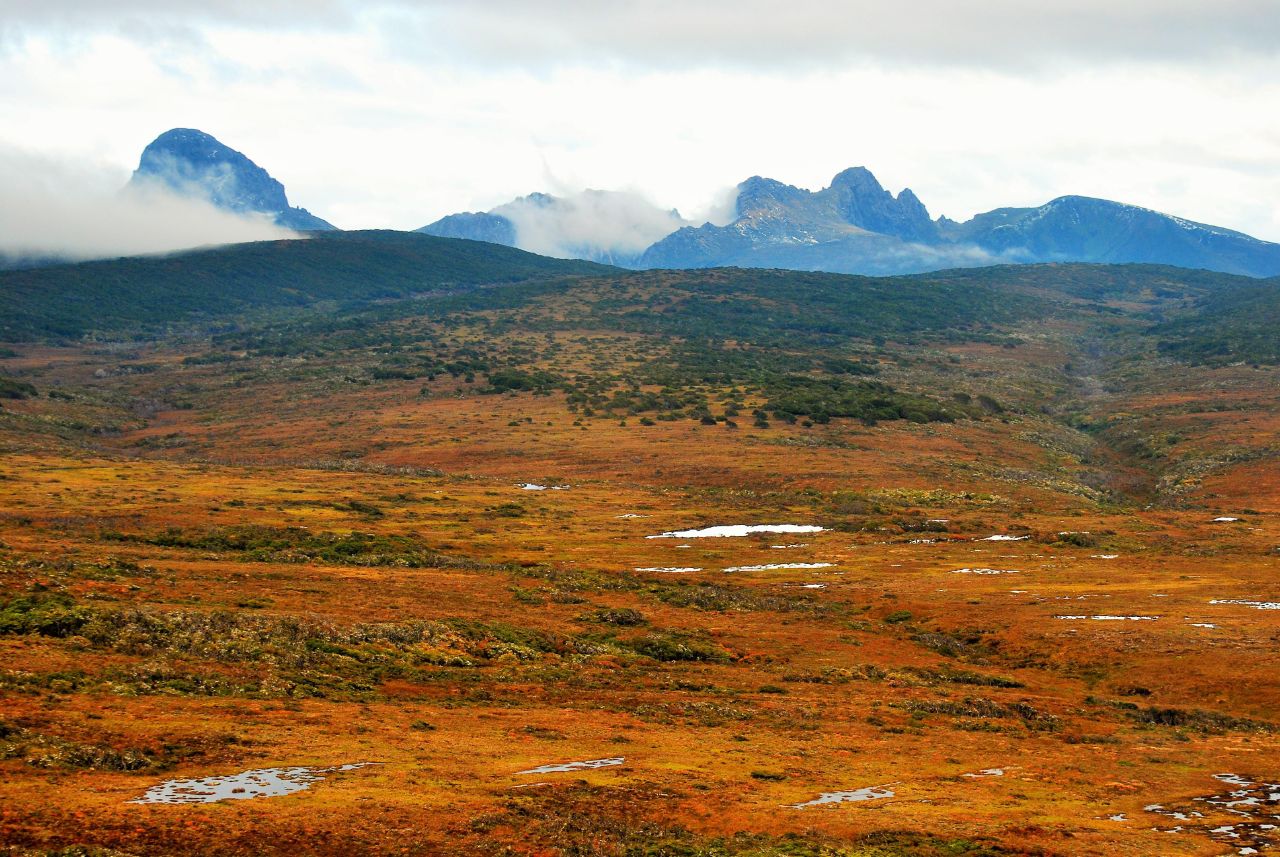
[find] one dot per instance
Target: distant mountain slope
(475, 226)
(193, 163)
(1079, 228)
(125, 294)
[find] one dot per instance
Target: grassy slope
(1239, 323)
(121, 294)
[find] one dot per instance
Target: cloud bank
(57, 209)
(608, 226)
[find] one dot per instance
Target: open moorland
(449, 549)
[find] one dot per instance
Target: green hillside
(151, 292)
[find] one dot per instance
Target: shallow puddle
(1260, 605)
(1253, 807)
(589, 765)
(263, 782)
(777, 565)
(738, 530)
(855, 796)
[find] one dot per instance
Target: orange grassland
(883, 668)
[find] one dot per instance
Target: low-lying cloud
(608, 226)
(56, 209)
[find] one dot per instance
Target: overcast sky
(396, 113)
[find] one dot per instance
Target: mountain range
(854, 225)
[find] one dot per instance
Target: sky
(393, 114)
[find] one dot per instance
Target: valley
(415, 531)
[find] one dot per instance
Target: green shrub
(13, 389)
(678, 647)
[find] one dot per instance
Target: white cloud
(605, 225)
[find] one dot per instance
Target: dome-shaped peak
(184, 135)
(191, 145)
(858, 179)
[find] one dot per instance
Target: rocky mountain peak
(192, 163)
(862, 201)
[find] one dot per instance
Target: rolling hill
(130, 293)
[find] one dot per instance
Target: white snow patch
(1003, 539)
(670, 570)
(986, 571)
